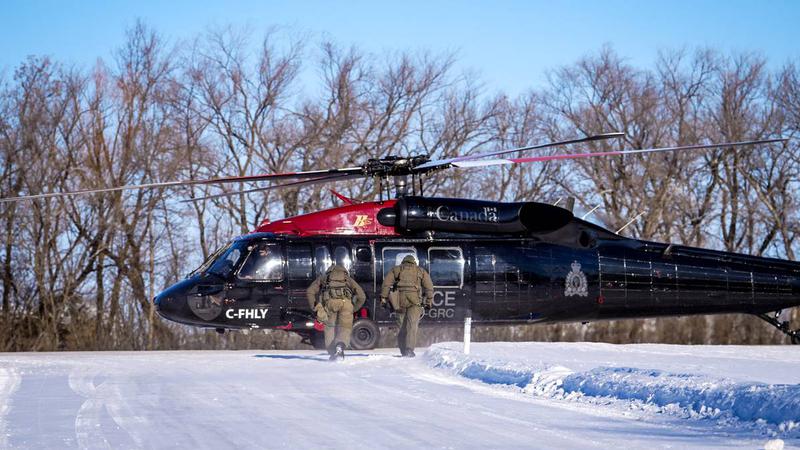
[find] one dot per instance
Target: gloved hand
(322, 315)
(427, 304)
(387, 305)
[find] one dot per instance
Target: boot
(409, 354)
(339, 353)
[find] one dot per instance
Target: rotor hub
(393, 165)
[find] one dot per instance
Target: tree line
(79, 272)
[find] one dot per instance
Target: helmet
(409, 259)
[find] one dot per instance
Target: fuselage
(575, 272)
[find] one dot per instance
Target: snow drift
(687, 394)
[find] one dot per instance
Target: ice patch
(688, 395)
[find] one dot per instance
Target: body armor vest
(336, 285)
(409, 278)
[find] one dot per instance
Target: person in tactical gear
(335, 306)
(413, 290)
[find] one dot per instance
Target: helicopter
(499, 263)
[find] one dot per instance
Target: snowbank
(687, 394)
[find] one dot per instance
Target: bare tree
(242, 100)
(80, 272)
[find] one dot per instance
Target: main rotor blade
(328, 179)
(286, 175)
(165, 184)
(444, 162)
(495, 162)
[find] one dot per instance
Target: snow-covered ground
(503, 395)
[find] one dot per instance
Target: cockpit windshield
(211, 258)
(227, 259)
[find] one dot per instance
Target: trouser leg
(333, 308)
(401, 331)
(413, 315)
(344, 324)
(330, 330)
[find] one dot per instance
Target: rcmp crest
(575, 283)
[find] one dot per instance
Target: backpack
(409, 277)
(336, 283)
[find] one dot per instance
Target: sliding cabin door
(447, 266)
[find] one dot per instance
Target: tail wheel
(366, 335)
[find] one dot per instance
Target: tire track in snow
(120, 397)
(10, 380)
(419, 392)
(123, 412)
(87, 421)
(105, 399)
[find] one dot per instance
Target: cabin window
(446, 266)
(506, 265)
(341, 254)
(300, 262)
(364, 254)
(264, 263)
(484, 270)
(322, 260)
(484, 264)
(393, 256)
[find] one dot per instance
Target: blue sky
(510, 44)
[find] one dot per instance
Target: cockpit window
(264, 263)
(227, 260)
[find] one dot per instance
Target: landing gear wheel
(366, 335)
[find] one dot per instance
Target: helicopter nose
(174, 302)
(163, 304)
(171, 307)
(170, 303)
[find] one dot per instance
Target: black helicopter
(500, 263)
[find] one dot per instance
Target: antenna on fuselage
(588, 213)
(596, 207)
(630, 222)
